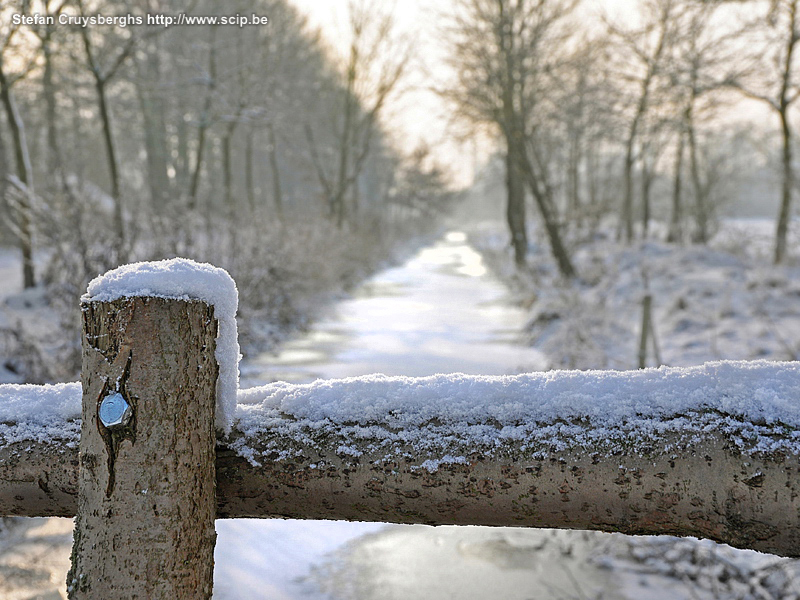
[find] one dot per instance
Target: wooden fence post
(147, 497)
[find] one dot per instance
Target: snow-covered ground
(722, 302)
(29, 330)
(439, 312)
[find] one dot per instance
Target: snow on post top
(185, 279)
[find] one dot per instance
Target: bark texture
(146, 502)
(39, 479)
(710, 489)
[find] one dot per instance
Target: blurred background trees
(267, 151)
(254, 147)
(635, 117)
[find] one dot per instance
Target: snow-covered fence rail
(710, 451)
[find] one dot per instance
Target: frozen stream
(439, 312)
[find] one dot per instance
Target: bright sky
(420, 115)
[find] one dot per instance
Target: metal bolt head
(114, 410)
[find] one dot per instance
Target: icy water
(439, 312)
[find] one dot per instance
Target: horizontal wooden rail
(705, 487)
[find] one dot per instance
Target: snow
(446, 557)
(40, 404)
(444, 416)
(40, 413)
(726, 301)
(185, 279)
(440, 419)
(269, 558)
(394, 324)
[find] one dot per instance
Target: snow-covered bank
(722, 302)
(287, 273)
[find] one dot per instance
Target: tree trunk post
(146, 489)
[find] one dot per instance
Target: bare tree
(675, 232)
(704, 60)
(46, 33)
(644, 49)
(652, 146)
(103, 72)
(373, 68)
(205, 119)
(776, 75)
(24, 173)
(150, 91)
(584, 100)
(502, 51)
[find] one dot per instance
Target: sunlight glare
(456, 237)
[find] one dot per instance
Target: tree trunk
(227, 169)
(113, 169)
(700, 190)
(542, 193)
(641, 110)
(25, 175)
(155, 128)
(785, 213)
(55, 162)
(205, 118)
(647, 303)
(574, 179)
(4, 164)
(647, 180)
(198, 166)
(249, 183)
(627, 199)
(146, 490)
(276, 174)
(515, 207)
(337, 207)
(676, 218)
(784, 102)
(182, 161)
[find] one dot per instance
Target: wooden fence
(149, 475)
